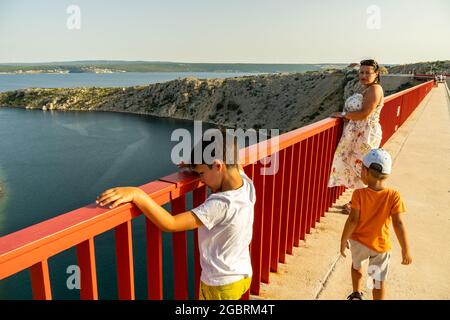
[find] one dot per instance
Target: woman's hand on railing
(117, 196)
(336, 115)
(339, 115)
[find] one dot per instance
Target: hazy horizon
(187, 62)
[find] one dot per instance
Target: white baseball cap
(379, 157)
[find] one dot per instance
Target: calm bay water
(70, 80)
(55, 162)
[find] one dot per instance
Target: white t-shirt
(224, 239)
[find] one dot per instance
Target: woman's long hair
(375, 65)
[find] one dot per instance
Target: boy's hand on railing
(184, 166)
(344, 246)
(117, 196)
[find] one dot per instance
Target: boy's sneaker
(355, 296)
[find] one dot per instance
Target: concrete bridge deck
(421, 172)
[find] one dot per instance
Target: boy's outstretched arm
(350, 225)
(400, 231)
(157, 214)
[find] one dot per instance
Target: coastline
(283, 101)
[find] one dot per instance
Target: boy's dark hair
(375, 65)
(221, 145)
(376, 171)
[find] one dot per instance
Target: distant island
(104, 66)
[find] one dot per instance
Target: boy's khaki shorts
(378, 262)
(232, 291)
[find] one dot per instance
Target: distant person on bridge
(224, 220)
(362, 130)
(367, 227)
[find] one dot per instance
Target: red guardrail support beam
(199, 196)
(279, 189)
(40, 281)
(256, 245)
(180, 275)
(88, 271)
(286, 202)
(124, 257)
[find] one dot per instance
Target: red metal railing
(399, 106)
(429, 76)
(289, 203)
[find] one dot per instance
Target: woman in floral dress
(362, 130)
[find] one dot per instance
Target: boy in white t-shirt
(225, 219)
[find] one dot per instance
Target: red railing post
(328, 154)
(40, 281)
(88, 273)
(334, 144)
(406, 109)
(199, 196)
(269, 187)
(313, 184)
(154, 261)
(278, 211)
(398, 120)
(332, 147)
(301, 193)
(180, 276)
(256, 245)
(320, 164)
(293, 198)
(308, 144)
(124, 257)
(287, 178)
(249, 171)
(325, 174)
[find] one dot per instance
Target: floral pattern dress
(358, 138)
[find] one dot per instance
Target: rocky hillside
(422, 67)
(283, 101)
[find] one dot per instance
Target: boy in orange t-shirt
(367, 227)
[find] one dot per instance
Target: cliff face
(282, 101)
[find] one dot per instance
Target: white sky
(232, 31)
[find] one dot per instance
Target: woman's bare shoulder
(374, 90)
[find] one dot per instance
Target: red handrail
(399, 106)
(289, 203)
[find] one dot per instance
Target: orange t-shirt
(376, 208)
